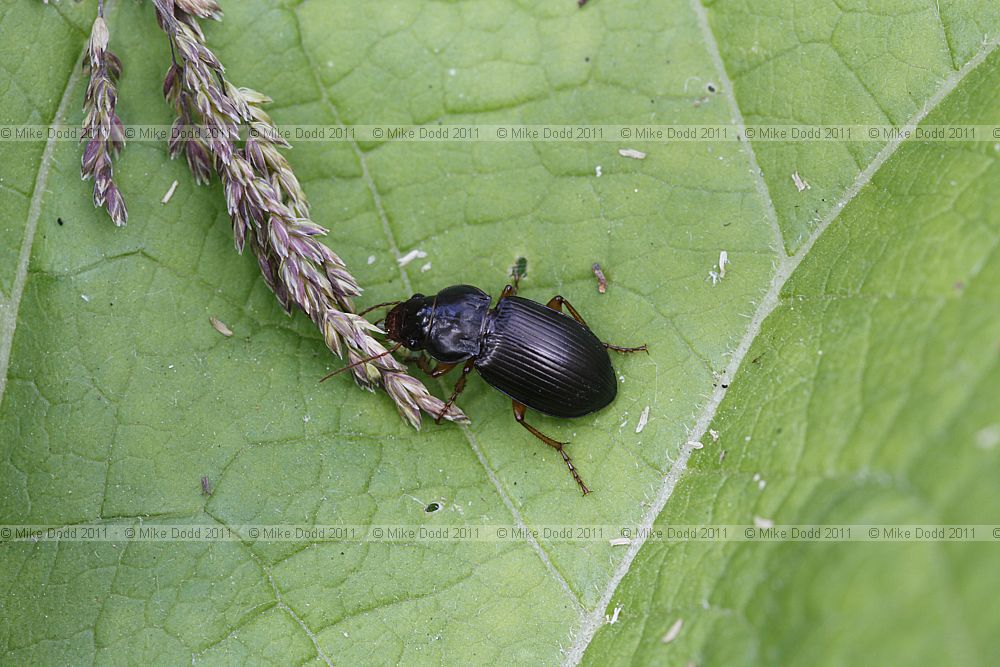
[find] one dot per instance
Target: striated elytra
(540, 357)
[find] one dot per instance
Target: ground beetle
(535, 354)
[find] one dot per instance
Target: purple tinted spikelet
(268, 208)
(103, 134)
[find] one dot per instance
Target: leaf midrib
(590, 623)
(10, 307)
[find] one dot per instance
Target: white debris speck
(452, 72)
(643, 418)
(410, 256)
(632, 153)
(306, 418)
(371, 259)
(220, 326)
(674, 630)
(170, 193)
(620, 542)
(723, 260)
(761, 522)
(722, 456)
(597, 170)
(761, 484)
(170, 366)
(756, 477)
(746, 439)
(694, 444)
(85, 298)
(425, 268)
(800, 183)
(988, 438)
(714, 434)
(611, 620)
(719, 272)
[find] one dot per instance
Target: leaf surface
(118, 395)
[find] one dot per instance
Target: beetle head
(407, 323)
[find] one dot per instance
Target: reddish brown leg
(459, 386)
(557, 302)
(519, 409)
(509, 290)
(438, 370)
(624, 350)
(424, 363)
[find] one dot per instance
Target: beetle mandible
(535, 354)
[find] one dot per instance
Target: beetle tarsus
(626, 350)
(519, 409)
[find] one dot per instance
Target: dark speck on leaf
(60, 221)
(711, 88)
(433, 507)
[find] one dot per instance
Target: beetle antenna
(361, 361)
(378, 305)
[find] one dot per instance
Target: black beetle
(535, 354)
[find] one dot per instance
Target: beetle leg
(424, 364)
(519, 409)
(459, 386)
(557, 302)
(509, 290)
(420, 360)
(439, 369)
(623, 350)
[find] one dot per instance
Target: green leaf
(867, 397)
(117, 396)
